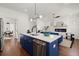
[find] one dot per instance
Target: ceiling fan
(54, 16)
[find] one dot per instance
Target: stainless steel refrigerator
(1, 34)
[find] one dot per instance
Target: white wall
(22, 21)
(70, 16)
(43, 22)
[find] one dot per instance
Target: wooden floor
(74, 51)
(13, 48)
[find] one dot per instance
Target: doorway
(9, 28)
(9, 31)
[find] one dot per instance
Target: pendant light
(36, 15)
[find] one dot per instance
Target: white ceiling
(45, 9)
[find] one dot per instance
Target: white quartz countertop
(41, 36)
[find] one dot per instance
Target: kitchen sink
(34, 34)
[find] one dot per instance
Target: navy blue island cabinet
(52, 48)
(27, 43)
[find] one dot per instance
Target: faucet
(34, 27)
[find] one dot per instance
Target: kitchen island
(51, 48)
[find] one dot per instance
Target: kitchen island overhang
(40, 36)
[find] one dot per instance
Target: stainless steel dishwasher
(39, 48)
